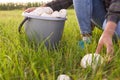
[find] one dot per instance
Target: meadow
(20, 61)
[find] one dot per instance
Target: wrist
(107, 34)
(110, 28)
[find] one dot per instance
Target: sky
(4, 1)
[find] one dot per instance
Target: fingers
(30, 9)
(99, 47)
(110, 49)
(110, 52)
(27, 10)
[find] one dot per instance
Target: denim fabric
(117, 31)
(87, 11)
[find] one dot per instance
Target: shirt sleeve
(59, 4)
(114, 11)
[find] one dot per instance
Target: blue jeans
(88, 11)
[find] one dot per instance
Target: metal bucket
(43, 29)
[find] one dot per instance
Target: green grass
(19, 61)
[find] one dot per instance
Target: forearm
(110, 29)
(113, 17)
(59, 4)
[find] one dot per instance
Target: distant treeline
(11, 6)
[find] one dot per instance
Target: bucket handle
(21, 24)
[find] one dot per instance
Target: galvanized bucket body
(42, 29)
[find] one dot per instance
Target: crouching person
(94, 11)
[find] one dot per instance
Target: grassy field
(19, 61)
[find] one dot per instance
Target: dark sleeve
(59, 4)
(114, 11)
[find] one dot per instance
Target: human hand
(30, 9)
(105, 40)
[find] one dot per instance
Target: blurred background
(20, 4)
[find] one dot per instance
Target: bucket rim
(43, 18)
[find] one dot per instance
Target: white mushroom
(63, 13)
(46, 15)
(38, 11)
(91, 60)
(63, 77)
(48, 10)
(55, 14)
